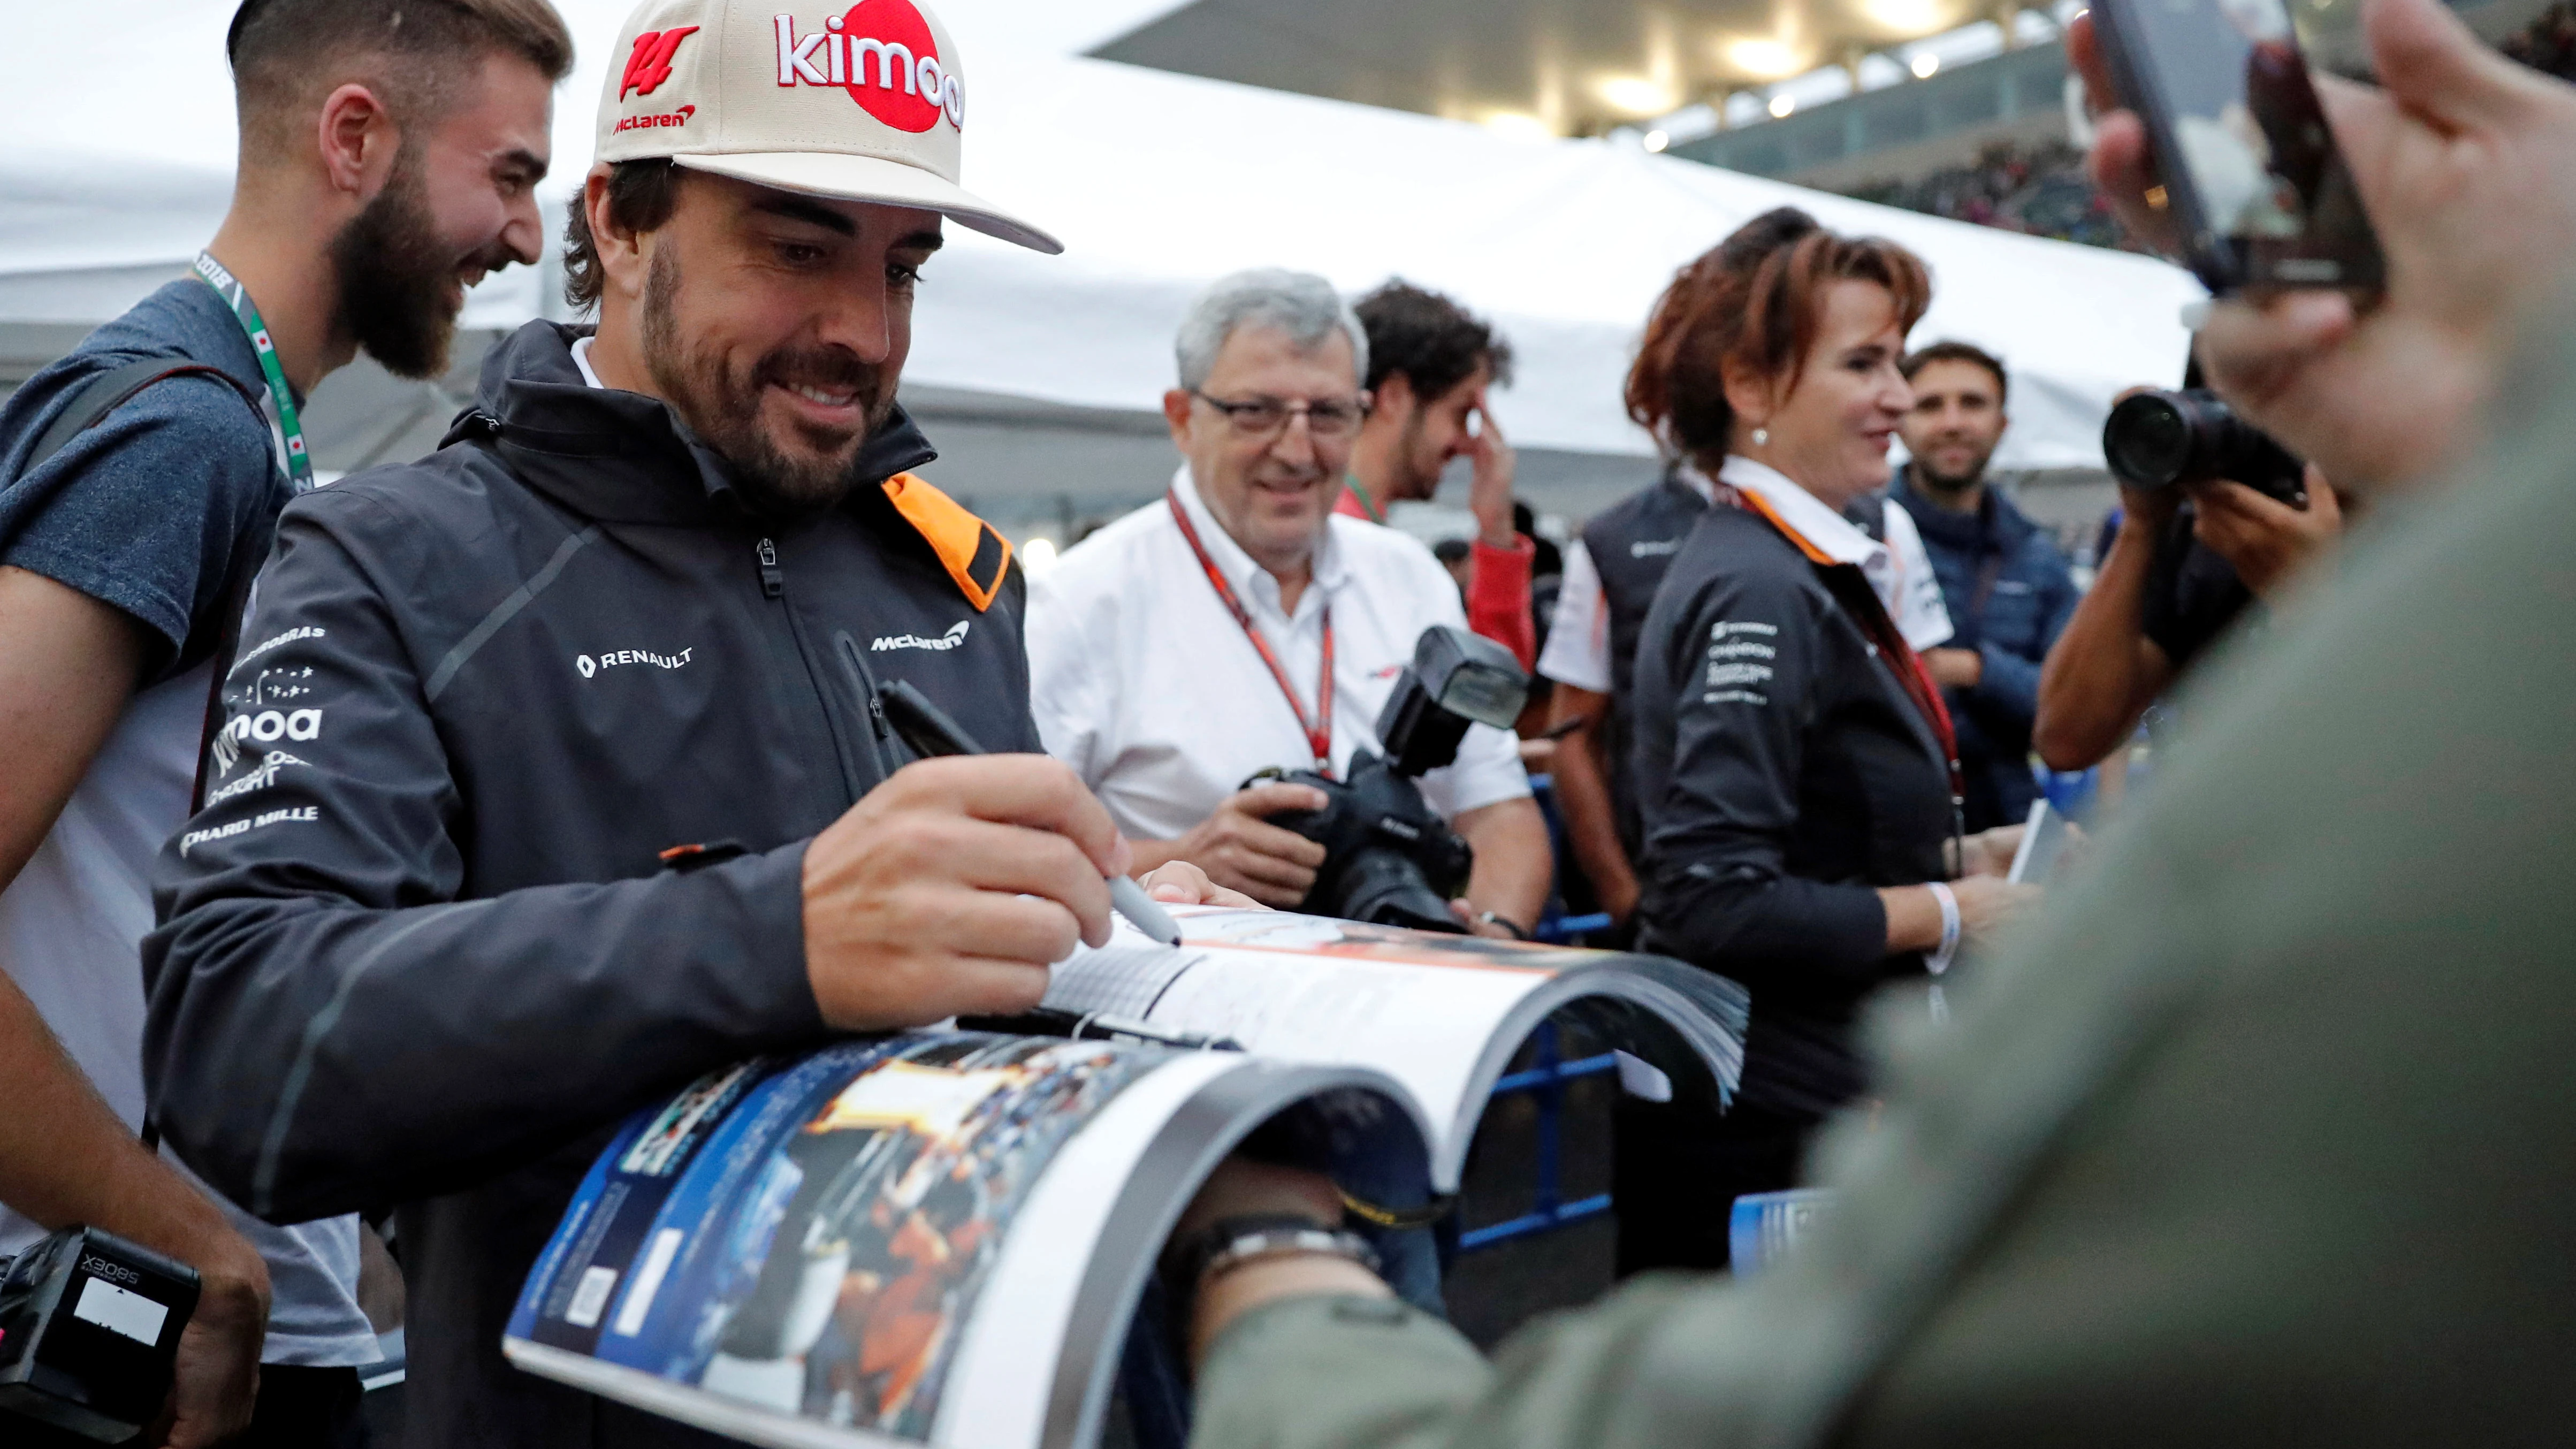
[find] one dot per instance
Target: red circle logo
(895, 72)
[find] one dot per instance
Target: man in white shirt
(1240, 625)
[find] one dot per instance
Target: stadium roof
(1559, 67)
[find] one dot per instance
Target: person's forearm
(1913, 918)
(457, 1039)
(1743, 912)
(1583, 801)
(2097, 679)
(1270, 1280)
(65, 1157)
(1150, 855)
(1514, 864)
(1498, 596)
(68, 663)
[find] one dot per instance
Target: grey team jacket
(422, 947)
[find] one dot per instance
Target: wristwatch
(1232, 1242)
(1497, 918)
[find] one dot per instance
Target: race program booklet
(941, 1237)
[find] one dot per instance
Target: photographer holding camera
(2194, 551)
(1240, 625)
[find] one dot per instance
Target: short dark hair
(285, 53)
(1433, 341)
(641, 196)
(1922, 357)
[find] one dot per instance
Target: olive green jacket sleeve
(2260, 1135)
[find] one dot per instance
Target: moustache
(827, 369)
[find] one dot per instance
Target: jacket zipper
(773, 586)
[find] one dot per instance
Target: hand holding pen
(932, 735)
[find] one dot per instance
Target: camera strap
(1319, 734)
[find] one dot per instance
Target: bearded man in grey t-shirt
(388, 160)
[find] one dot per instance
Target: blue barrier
(1554, 926)
(1557, 930)
(1546, 1081)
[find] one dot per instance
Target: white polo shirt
(1143, 682)
(1578, 635)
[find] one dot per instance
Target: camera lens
(2148, 441)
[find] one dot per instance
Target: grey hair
(1301, 304)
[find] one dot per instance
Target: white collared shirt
(1578, 637)
(1142, 681)
(1899, 570)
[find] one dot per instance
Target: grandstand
(1990, 141)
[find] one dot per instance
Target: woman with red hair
(1795, 764)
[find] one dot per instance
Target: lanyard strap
(1319, 738)
(290, 428)
(1367, 504)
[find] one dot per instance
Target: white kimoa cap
(864, 103)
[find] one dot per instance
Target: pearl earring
(1761, 437)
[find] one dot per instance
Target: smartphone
(2249, 167)
(2043, 840)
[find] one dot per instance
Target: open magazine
(941, 1236)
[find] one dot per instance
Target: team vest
(1632, 543)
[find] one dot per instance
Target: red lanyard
(1871, 614)
(1319, 737)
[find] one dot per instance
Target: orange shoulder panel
(975, 554)
(1754, 501)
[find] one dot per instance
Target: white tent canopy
(1157, 183)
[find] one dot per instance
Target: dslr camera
(89, 1333)
(1387, 858)
(2162, 439)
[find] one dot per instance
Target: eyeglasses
(1264, 417)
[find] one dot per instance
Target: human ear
(1748, 394)
(1176, 412)
(624, 259)
(357, 139)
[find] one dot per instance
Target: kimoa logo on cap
(882, 53)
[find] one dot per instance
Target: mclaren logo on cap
(882, 53)
(649, 64)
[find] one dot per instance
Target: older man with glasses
(1238, 624)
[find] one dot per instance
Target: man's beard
(1414, 480)
(1943, 483)
(394, 274)
(721, 404)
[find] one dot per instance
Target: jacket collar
(1689, 485)
(1996, 524)
(622, 457)
(1822, 530)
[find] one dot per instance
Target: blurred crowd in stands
(2041, 189)
(2548, 44)
(2038, 189)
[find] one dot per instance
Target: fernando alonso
(549, 777)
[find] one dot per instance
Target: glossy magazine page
(812, 1237)
(939, 1237)
(1441, 1014)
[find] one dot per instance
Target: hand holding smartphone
(2251, 173)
